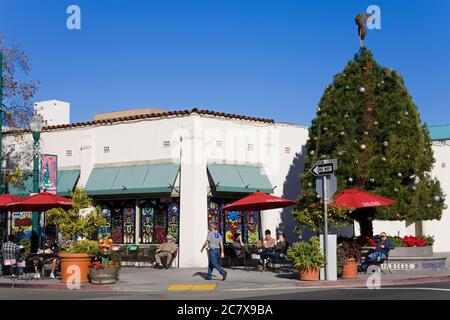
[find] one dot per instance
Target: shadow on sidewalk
(204, 275)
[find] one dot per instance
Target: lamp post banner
(48, 176)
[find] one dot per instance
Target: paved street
(434, 291)
(148, 283)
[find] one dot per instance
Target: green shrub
(307, 255)
(83, 246)
(429, 239)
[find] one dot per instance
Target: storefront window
(173, 221)
(247, 223)
(147, 218)
(160, 224)
(129, 225)
(22, 225)
(157, 220)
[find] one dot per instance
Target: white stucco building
(169, 172)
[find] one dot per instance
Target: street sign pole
(325, 224)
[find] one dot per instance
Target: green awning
(154, 178)
(239, 178)
(24, 189)
(66, 182)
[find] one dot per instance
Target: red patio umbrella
(41, 202)
(8, 199)
(258, 201)
(354, 198)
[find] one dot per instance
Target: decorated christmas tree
(368, 121)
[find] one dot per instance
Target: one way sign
(324, 167)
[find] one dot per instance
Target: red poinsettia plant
(411, 241)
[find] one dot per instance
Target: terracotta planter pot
(70, 262)
(103, 276)
(350, 269)
(309, 275)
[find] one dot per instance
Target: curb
(363, 283)
(56, 286)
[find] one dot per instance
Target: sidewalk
(152, 280)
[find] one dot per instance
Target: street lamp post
(36, 125)
(1, 121)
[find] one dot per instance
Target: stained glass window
(147, 218)
(116, 225)
(105, 231)
(252, 227)
(160, 224)
(129, 217)
(173, 221)
(233, 224)
(215, 215)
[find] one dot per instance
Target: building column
(193, 196)
(137, 223)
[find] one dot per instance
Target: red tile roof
(152, 115)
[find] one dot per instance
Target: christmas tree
(369, 122)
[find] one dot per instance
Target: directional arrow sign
(324, 167)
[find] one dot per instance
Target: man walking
(10, 251)
(215, 243)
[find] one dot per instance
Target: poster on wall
(252, 226)
(49, 166)
(160, 224)
(148, 215)
(173, 220)
(128, 224)
(215, 215)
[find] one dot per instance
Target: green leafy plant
(81, 221)
(89, 247)
(429, 239)
(307, 255)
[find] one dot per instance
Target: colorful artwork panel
(105, 231)
(129, 219)
(147, 218)
(160, 224)
(233, 224)
(116, 226)
(252, 227)
(215, 216)
(173, 221)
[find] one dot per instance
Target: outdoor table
(44, 256)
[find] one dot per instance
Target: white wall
(53, 112)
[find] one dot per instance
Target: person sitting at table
(380, 253)
(268, 242)
(279, 252)
(50, 248)
(168, 250)
(10, 252)
(238, 245)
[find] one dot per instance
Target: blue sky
(255, 57)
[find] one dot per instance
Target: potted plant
(106, 269)
(79, 223)
(349, 254)
(308, 258)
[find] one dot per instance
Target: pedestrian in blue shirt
(214, 242)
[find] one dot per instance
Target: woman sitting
(279, 251)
